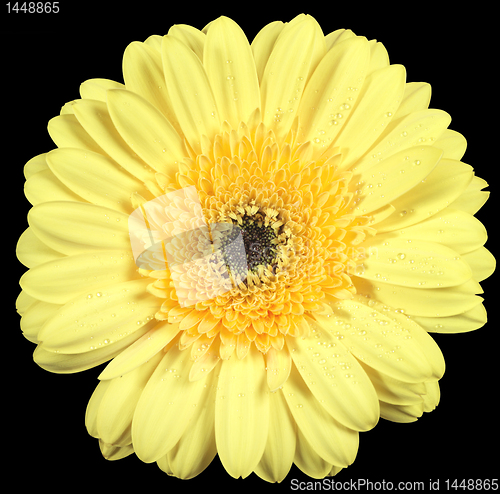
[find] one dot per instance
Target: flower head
(259, 238)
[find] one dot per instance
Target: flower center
(260, 242)
(281, 228)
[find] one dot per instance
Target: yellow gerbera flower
(260, 238)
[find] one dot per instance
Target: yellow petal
(334, 442)
(31, 251)
(94, 118)
(441, 187)
(154, 41)
(111, 452)
(453, 144)
(143, 75)
(191, 319)
(473, 197)
(432, 396)
(67, 108)
(45, 186)
(381, 214)
(263, 44)
(242, 413)
(190, 36)
(379, 58)
(207, 323)
(190, 92)
(393, 177)
(378, 100)
(355, 406)
(430, 302)
(413, 263)
(196, 447)
(402, 414)
(231, 71)
(418, 128)
(74, 228)
(165, 407)
(24, 302)
(66, 131)
(206, 362)
(424, 341)
(416, 97)
(280, 447)
(482, 263)
(96, 319)
(35, 165)
(94, 177)
(60, 280)
(308, 460)
(381, 342)
(96, 89)
(330, 90)
(394, 391)
(460, 323)
(164, 465)
(117, 406)
(155, 340)
(146, 131)
(278, 363)
(64, 363)
(93, 408)
(35, 316)
(285, 77)
(338, 36)
(455, 229)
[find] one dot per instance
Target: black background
(46, 57)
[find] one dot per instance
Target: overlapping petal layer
(357, 220)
